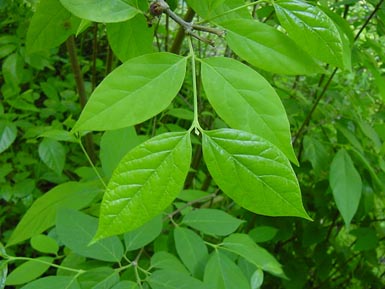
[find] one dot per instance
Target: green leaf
(50, 26)
(346, 185)
(126, 285)
(143, 235)
(244, 246)
(253, 172)
(76, 229)
(312, 30)
(137, 38)
(315, 152)
(263, 233)
(134, 92)
(165, 279)
(212, 221)
(366, 239)
(3, 273)
(44, 244)
(8, 133)
(267, 48)
(167, 261)
(191, 249)
(59, 135)
(28, 271)
(53, 282)
(99, 278)
(145, 182)
(52, 153)
(101, 10)
(222, 273)
(256, 279)
(114, 145)
(42, 214)
(246, 101)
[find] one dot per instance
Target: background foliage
(318, 65)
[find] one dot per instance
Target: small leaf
(53, 282)
(99, 278)
(125, 284)
(3, 273)
(52, 153)
(28, 271)
(263, 233)
(145, 182)
(346, 185)
(212, 221)
(267, 48)
(44, 244)
(253, 172)
(8, 133)
(246, 101)
(50, 26)
(134, 92)
(42, 214)
(76, 229)
(165, 279)
(191, 249)
(315, 152)
(59, 135)
(244, 246)
(167, 261)
(256, 279)
(143, 235)
(101, 10)
(222, 273)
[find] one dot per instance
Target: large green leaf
(50, 26)
(346, 185)
(212, 221)
(53, 282)
(244, 246)
(52, 153)
(28, 271)
(166, 279)
(8, 133)
(134, 92)
(145, 182)
(76, 229)
(101, 10)
(246, 101)
(267, 48)
(222, 273)
(191, 249)
(137, 38)
(42, 214)
(253, 172)
(312, 30)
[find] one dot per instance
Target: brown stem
(94, 55)
(177, 44)
(71, 47)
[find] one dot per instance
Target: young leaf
(145, 182)
(143, 235)
(50, 26)
(346, 185)
(8, 132)
(267, 48)
(52, 153)
(244, 246)
(253, 172)
(246, 101)
(191, 249)
(101, 10)
(28, 271)
(44, 244)
(212, 221)
(222, 273)
(53, 282)
(167, 261)
(76, 229)
(42, 214)
(137, 38)
(166, 279)
(134, 92)
(312, 30)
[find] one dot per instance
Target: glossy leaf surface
(212, 221)
(312, 30)
(134, 92)
(28, 271)
(101, 10)
(53, 282)
(76, 229)
(346, 185)
(145, 182)
(165, 279)
(246, 101)
(267, 48)
(253, 172)
(8, 132)
(42, 214)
